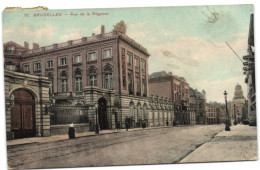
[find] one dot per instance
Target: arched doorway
(102, 113)
(23, 114)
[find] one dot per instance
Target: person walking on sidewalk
(118, 126)
(126, 125)
(71, 131)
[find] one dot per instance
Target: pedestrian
(71, 131)
(117, 126)
(126, 125)
(167, 123)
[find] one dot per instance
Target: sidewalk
(238, 144)
(65, 137)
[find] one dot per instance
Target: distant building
(238, 104)
(213, 115)
(249, 71)
(176, 89)
(198, 103)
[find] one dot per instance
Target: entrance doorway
(102, 113)
(23, 114)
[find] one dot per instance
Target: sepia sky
(187, 41)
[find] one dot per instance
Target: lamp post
(227, 128)
(235, 123)
(97, 125)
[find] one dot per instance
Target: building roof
(158, 74)
(192, 92)
(83, 41)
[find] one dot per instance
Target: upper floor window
(51, 78)
(64, 82)
(108, 81)
(107, 53)
(129, 59)
(137, 63)
(143, 66)
(50, 64)
(92, 77)
(37, 66)
(92, 56)
(77, 59)
(93, 80)
(10, 49)
(63, 61)
(10, 67)
(26, 68)
(78, 80)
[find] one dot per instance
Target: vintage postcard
(129, 86)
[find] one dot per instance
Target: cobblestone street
(145, 146)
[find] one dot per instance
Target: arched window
(63, 82)
(145, 112)
(132, 111)
(77, 80)
(139, 111)
(108, 79)
(51, 78)
(92, 77)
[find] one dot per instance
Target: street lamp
(235, 123)
(97, 125)
(227, 128)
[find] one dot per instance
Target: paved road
(149, 146)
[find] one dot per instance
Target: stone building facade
(238, 104)
(213, 115)
(198, 104)
(249, 71)
(175, 89)
(98, 79)
(27, 103)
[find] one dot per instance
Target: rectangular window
(37, 66)
(93, 80)
(143, 66)
(138, 88)
(144, 88)
(108, 81)
(77, 59)
(64, 85)
(78, 84)
(129, 59)
(137, 63)
(26, 68)
(10, 67)
(49, 64)
(63, 61)
(107, 53)
(92, 56)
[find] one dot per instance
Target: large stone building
(249, 71)
(101, 79)
(238, 104)
(175, 89)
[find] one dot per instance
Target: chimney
(36, 46)
(102, 29)
(26, 45)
